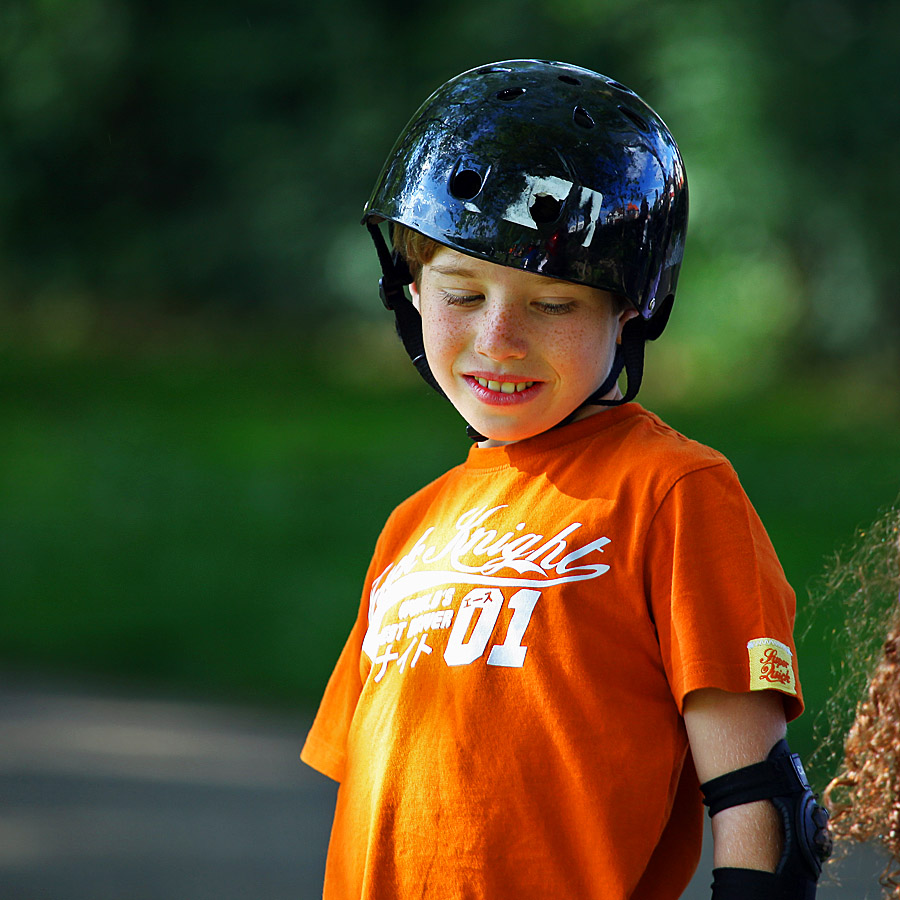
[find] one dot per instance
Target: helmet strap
(630, 357)
(395, 276)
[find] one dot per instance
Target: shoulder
(640, 447)
(414, 507)
(650, 439)
(684, 474)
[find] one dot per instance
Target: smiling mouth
(505, 387)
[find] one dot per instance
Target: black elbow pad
(781, 779)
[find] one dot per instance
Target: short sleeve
(325, 748)
(723, 609)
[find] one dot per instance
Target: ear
(414, 294)
(625, 316)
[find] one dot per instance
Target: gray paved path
(111, 797)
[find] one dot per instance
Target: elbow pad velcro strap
(781, 779)
(777, 775)
(751, 884)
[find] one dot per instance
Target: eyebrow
(462, 272)
(452, 269)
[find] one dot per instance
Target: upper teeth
(506, 387)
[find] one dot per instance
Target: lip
(498, 398)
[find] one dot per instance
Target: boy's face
(514, 351)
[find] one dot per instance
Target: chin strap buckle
(388, 289)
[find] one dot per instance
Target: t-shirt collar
(549, 441)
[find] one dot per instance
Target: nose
(501, 331)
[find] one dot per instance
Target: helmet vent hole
(630, 114)
(545, 209)
(569, 79)
(582, 117)
(620, 87)
(465, 184)
(509, 94)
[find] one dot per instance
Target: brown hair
(864, 797)
(415, 248)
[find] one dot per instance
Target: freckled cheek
(571, 343)
(444, 337)
(580, 351)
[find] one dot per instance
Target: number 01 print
(488, 602)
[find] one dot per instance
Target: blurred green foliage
(195, 507)
(215, 154)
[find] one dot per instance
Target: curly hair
(864, 798)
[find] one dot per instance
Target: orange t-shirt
(505, 718)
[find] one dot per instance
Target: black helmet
(545, 167)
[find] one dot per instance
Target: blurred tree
(216, 153)
(833, 102)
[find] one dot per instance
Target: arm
(726, 732)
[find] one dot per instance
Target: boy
(561, 639)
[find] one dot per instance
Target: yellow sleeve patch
(771, 666)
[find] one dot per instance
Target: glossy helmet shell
(549, 168)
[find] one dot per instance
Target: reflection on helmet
(545, 167)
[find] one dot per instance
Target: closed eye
(460, 299)
(555, 309)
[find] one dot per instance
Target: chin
(509, 433)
